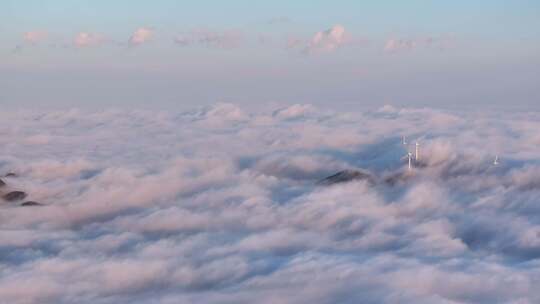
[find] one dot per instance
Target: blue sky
(410, 53)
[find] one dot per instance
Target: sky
(341, 54)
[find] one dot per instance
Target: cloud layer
(321, 42)
(220, 205)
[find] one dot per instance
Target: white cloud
(328, 40)
(210, 38)
(213, 206)
(394, 45)
(35, 36)
(85, 39)
(140, 36)
(295, 111)
(31, 38)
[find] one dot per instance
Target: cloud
(328, 40)
(294, 42)
(85, 39)
(209, 38)
(35, 36)
(394, 45)
(31, 38)
(294, 111)
(140, 36)
(221, 205)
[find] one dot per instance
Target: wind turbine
(409, 156)
(417, 152)
(496, 161)
(403, 140)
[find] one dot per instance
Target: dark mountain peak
(30, 204)
(14, 196)
(346, 176)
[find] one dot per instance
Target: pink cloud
(328, 40)
(209, 38)
(393, 45)
(222, 204)
(140, 36)
(35, 36)
(85, 39)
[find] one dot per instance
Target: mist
(224, 204)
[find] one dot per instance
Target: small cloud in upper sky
(140, 36)
(328, 40)
(293, 42)
(30, 38)
(85, 39)
(394, 45)
(322, 42)
(210, 38)
(35, 36)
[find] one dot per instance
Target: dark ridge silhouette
(398, 178)
(31, 204)
(346, 176)
(14, 196)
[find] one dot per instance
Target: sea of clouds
(222, 205)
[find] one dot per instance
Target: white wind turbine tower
(409, 156)
(496, 161)
(417, 152)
